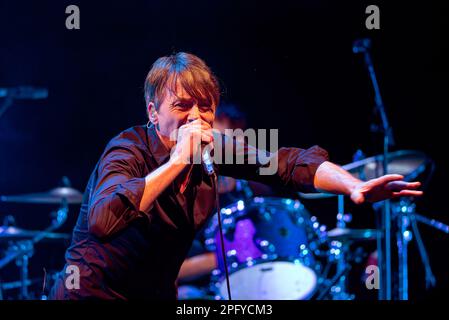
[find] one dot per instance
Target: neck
(165, 140)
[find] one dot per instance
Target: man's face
(180, 108)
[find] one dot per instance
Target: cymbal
(345, 234)
(408, 163)
(54, 196)
(8, 233)
(314, 196)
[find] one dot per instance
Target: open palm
(386, 187)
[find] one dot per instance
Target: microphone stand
(384, 237)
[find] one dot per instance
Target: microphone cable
(223, 250)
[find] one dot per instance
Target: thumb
(357, 197)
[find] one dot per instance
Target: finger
(390, 177)
(206, 124)
(200, 126)
(196, 124)
(202, 135)
(200, 131)
(408, 193)
(207, 138)
(200, 122)
(412, 185)
(207, 129)
(401, 185)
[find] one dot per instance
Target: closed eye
(205, 108)
(183, 105)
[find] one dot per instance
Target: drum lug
(266, 247)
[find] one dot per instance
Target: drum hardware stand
(337, 286)
(23, 250)
(407, 216)
(331, 284)
(403, 237)
(243, 186)
(342, 253)
(383, 238)
(340, 292)
(342, 217)
(345, 259)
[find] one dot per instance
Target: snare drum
(270, 246)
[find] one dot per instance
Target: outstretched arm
(334, 179)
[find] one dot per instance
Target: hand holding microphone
(191, 138)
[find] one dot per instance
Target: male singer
(144, 202)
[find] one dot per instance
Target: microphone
(24, 93)
(207, 162)
(361, 45)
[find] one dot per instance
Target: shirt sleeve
(117, 194)
(292, 168)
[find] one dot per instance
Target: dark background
(288, 64)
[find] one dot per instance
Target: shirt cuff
(132, 190)
(306, 165)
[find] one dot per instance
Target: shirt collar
(158, 150)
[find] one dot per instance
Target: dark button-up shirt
(124, 253)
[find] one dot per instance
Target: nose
(194, 114)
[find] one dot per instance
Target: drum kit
(19, 244)
(277, 250)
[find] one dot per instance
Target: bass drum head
(276, 280)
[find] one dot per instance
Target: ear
(152, 113)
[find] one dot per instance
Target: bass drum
(271, 246)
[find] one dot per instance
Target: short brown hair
(192, 72)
